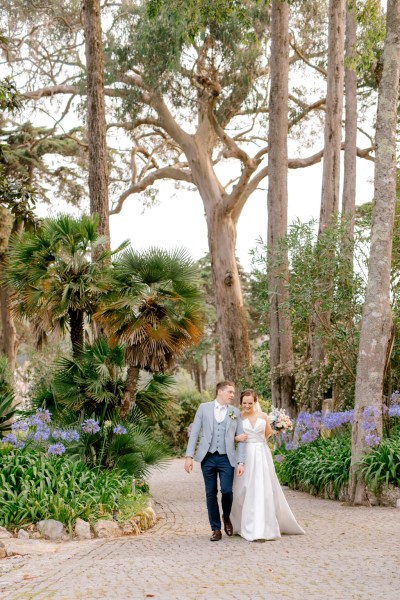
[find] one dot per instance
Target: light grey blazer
(203, 426)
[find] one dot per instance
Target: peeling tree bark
(377, 321)
(280, 335)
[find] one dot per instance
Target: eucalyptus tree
(350, 144)
(96, 116)
(377, 321)
(280, 334)
(187, 83)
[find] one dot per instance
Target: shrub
(35, 487)
(381, 466)
(319, 467)
(172, 428)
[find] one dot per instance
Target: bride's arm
(242, 437)
(268, 428)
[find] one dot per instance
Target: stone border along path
(347, 553)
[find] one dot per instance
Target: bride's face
(248, 404)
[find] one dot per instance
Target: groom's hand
(240, 470)
(188, 464)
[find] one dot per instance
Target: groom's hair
(223, 384)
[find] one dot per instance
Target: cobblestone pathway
(347, 553)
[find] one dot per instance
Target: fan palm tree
(52, 279)
(154, 309)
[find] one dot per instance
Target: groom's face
(226, 395)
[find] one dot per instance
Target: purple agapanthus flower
(309, 436)
(42, 434)
(119, 430)
(279, 458)
(334, 420)
(20, 426)
(394, 410)
(90, 426)
(70, 436)
(10, 438)
(371, 439)
(56, 449)
(291, 446)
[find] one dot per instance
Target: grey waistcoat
(218, 443)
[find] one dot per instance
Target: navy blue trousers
(214, 466)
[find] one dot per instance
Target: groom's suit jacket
(203, 426)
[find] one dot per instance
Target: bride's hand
(242, 437)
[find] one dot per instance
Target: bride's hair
(248, 392)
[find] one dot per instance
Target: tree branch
(140, 186)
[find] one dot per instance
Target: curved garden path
(347, 553)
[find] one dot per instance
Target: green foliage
(91, 382)
(92, 385)
(172, 427)
(134, 452)
(155, 306)
(7, 397)
(51, 275)
(10, 100)
(161, 39)
(312, 295)
(321, 467)
(35, 487)
(381, 465)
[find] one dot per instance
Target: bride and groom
(253, 504)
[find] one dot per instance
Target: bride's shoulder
(263, 415)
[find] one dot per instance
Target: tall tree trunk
(377, 321)
(96, 119)
(131, 387)
(9, 341)
(280, 334)
(333, 119)
(231, 318)
(350, 146)
(76, 320)
(221, 227)
(330, 176)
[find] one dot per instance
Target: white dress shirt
(219, 411)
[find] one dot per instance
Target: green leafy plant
(381, 466)
(35, 487)
(321, 467)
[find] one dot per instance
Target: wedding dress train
(260, 509)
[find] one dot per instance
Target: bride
(260, 510)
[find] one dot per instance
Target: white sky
(178, 219)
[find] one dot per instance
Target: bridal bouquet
(280, 421)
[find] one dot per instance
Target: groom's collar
(217, 404)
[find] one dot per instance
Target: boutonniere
(232, 415)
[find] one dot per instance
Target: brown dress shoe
(216, 536)
(228, 526)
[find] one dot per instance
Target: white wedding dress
(260, 510)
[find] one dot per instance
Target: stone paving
(347, 553)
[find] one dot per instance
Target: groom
(218, 423)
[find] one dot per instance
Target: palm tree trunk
(131, 386)
(76, 330)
